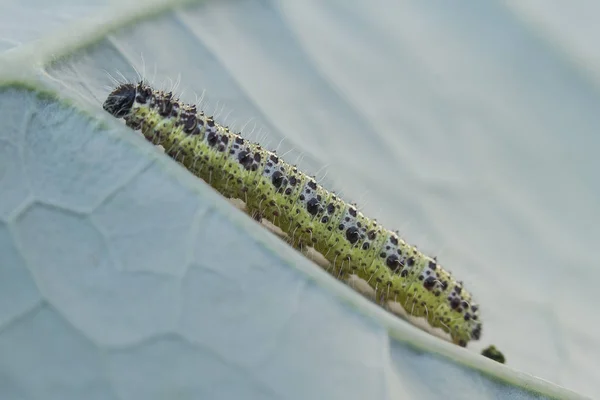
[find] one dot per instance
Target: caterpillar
(308, 213)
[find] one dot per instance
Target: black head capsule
(120, 101)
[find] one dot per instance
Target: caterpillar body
(307, 212)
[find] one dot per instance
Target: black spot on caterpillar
(307, 212)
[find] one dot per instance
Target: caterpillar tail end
(471, 331)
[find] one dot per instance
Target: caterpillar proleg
(309, 214)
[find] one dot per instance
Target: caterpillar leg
(354, 281)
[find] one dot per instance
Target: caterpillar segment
(308, 213)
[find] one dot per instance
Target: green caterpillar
(308, 213)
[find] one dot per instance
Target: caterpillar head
(120, 100)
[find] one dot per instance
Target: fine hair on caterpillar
(306, 212)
